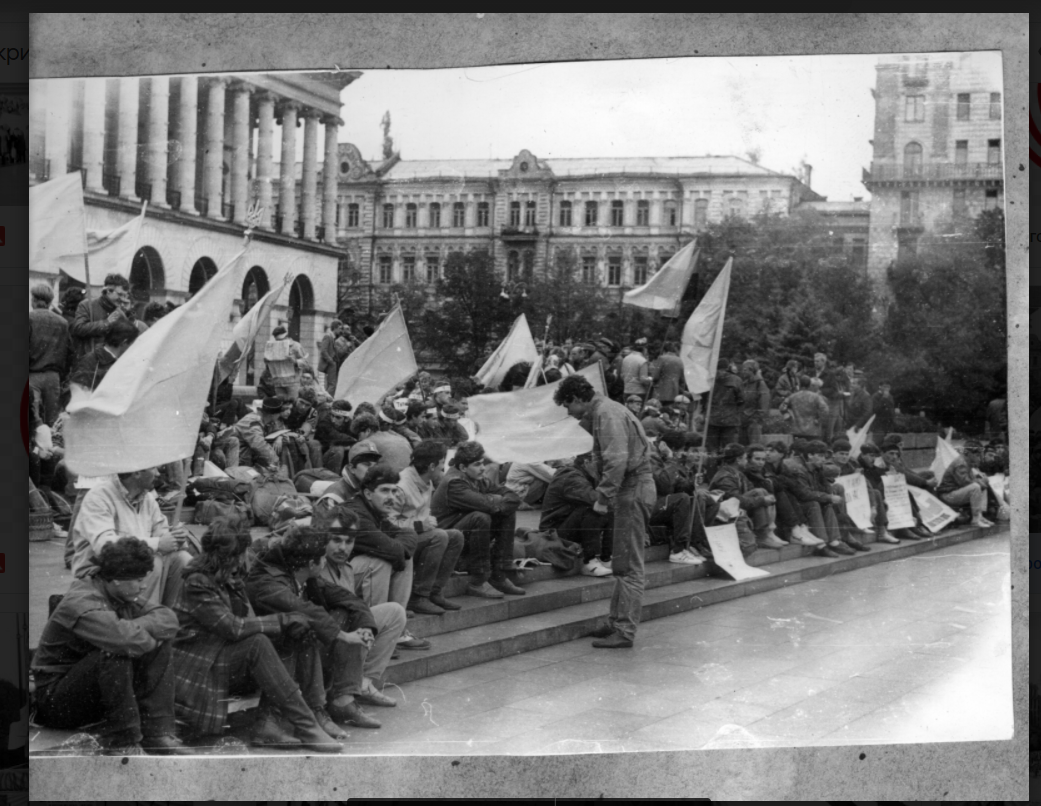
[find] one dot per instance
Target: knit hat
(840, 445)
(279, 331)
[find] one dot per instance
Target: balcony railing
(939, 171)
(111, 182)
(519, 232)
(143, 190)
(173, 198)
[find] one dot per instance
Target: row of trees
(935, 328)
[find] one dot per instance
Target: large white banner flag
(703, 334)
(858, 438)
(858, 504)
(246, 330)
(380, 363)
(898, 501)
(945, 454)
(664, 291)
(518, 346)
(112, 251)
(525, 425)
(935, 514)
(56, 226)
(147, 409)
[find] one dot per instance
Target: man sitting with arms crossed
(125, 505)
(568, 508)
(486, 513)
(342, 527)
(437, 550)
(963, 483)
(674, 507)
(105, 655)
(732, 483)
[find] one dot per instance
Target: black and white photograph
(555, 408)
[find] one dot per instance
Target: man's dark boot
(503, 584)
(602, 631)
(305, 728)
(613, 641)
(267, 732)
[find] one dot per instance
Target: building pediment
(526, 166)
(352, 167)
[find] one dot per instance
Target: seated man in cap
(105, 655)
(125, 505)
(437, 550)
(963, 483)
(804, 470)
(892, 455)
(756, 503)
(653, 424)
(335, 568)
(327, 663)
(396, 450)
(255, 450)
(635, 404)
(568, 508)
(485, 512)
(995, 458)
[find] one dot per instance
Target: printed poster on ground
(935, 514)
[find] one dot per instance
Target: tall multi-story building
(937, 144)
(200, 149)
(621, 217)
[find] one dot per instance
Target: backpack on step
(264, 496)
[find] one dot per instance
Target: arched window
(301, 301)
(912, 159)
(529, 265)
(202, 271)
(146, 277)
(512, 266)
(254, 287)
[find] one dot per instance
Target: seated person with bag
(568, 508)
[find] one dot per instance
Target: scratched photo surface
(855, 203)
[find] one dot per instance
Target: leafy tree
(576, 307)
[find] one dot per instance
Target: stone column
(309, 175)
(265, 137)
(286, 179)
(183, 175)
(94, 132)
(127, 139)
(330, 178)
(158, 118)
(240, 155)
(214, 156)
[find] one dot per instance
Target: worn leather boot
(305, 728)
(267, 732)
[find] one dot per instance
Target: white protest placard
(997, 484)
(726, 553)
(858, 504)
(898, 501)
(935, 514)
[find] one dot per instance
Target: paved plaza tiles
(912, 650)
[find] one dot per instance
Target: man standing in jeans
(623, 456)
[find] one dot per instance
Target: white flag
(858, 438)
(518, 346)
(703, 335)
(146, 411)
(945, 454)
(533, 374)
(380, 363)
(56, 226)
(112, 251)
(246, 331)
(664, 290)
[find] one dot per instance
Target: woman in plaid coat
(223, 648)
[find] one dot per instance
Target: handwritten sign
(898, 501)
(935, 514)
(726, 553)
(858, 504)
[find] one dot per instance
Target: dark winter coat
(727, 400)
(570, 487)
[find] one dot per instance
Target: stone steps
(563, 609)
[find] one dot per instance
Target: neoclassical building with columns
(200, 149)
(621, 217)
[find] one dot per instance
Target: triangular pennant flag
(147, 409)
(525, 425)
(858, 438)
(703, 335)
(246, 330)
(518, 346)
(664, 290)
(382, 361)
(56, 226)
(533, 374)
(945, 454)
